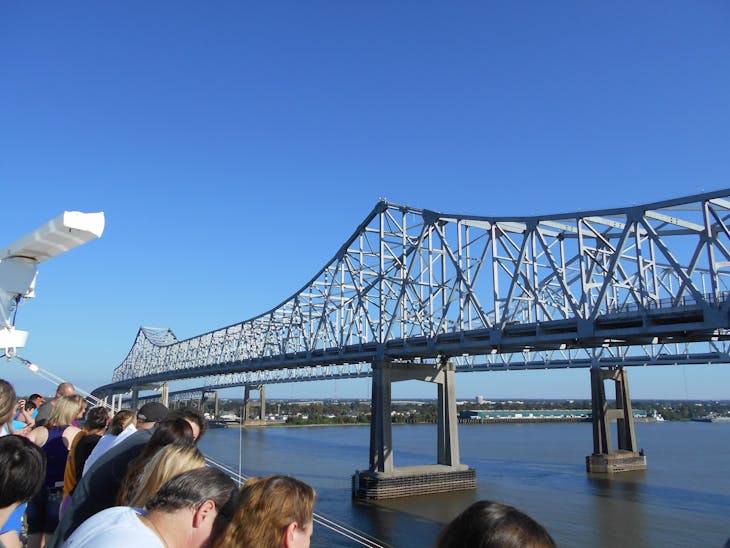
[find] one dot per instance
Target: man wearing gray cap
(150, 414)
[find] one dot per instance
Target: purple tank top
(56, 454)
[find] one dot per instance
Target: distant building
(480, 399)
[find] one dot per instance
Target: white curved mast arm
(19, 262)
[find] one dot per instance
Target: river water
(682, 500)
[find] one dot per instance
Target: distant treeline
(358, 411)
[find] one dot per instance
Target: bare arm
(39, 436)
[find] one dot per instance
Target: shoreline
(524, 420)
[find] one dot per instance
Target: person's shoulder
(131, 443)
(89, 439)
(115, 527)
(46, 407)
(135, 439)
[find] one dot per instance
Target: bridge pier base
(383, 480)
(605, 459)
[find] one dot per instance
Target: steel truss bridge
(634, 286)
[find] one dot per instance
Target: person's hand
(21, 404)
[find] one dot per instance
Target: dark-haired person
(122, 425)
(29, 412)
(24, 417)
(196, 420)
(97, 419)
(189, 511)
(22, 470)
(489, 524)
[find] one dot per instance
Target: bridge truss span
(417, 284)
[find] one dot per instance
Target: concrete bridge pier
(382, 479)
(626, 457)
(248, 404)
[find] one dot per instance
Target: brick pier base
(410, 481)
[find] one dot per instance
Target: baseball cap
(152, 412)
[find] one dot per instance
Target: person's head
(96, 419)
(66, 410)
(22, 470)
(173, 431)
(204, 496)
(489, 524)
(121, 420)
(65, 389)
(273, 511)
(29, 406)
(195, 418)
(150, 414)
(8, 401)
(37, 400)
(167, 463)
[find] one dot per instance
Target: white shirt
(106, 442)
(118, 527)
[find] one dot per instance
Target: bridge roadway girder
(662, 327)
(719, 353)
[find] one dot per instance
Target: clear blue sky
(234, 146)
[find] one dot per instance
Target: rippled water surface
(682, 500)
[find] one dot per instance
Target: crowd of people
(83, 479)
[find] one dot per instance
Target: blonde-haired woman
(54, 438)
(167, 463)
(273, 512)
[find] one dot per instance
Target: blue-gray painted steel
(643, 285)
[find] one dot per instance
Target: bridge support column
(626, 457)
(262, 397)
(381, 428)
(134, 404)
(448, 435)
(247, 403)
(383, 479)
(165, 393)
